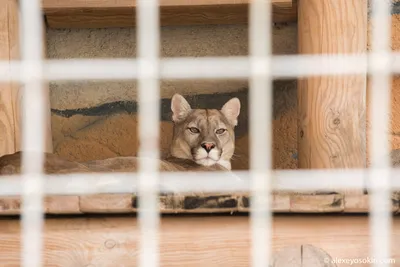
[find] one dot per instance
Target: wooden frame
(121, 13)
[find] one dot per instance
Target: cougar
(204, 136)
(203, 140)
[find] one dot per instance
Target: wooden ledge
(201, 203)
(121, 13)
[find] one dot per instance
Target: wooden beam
(11, 92)
(122, 13)
(332, 109)
(283, 202)
(193, 241)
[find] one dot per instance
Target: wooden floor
(190, 240)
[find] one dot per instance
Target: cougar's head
(205, 136)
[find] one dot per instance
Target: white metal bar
(380, 204)
(33, 125)
(284, 66)
(260, 97)
(148, 36)
(180, 182)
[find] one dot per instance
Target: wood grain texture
(105, 14)
(8, 91)
(332, 109)
(302, 255)
(16, 86)
(52, 205)
(106, 203)
(47, 4)
(219, 241)
(11, 92)
(61, 205)
(317, 203)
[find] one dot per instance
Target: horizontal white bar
(179, 182)
(287, 66)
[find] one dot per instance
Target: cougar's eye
(220, 131)
(193, 130)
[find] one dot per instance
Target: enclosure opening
(320, 128)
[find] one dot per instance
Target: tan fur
(185, 150)
(11, 164)
(190, 145)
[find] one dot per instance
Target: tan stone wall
(199, 41)
(393, 134)
(81, 137)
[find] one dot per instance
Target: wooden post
(10, 92)
(332, 109)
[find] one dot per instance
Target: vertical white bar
(260, 129)
(31, 40)
(148, 33)
(380, 204)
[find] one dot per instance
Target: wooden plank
(219, 241)
(16, 86)
(122, 13)
(206, 203)
(200, 203)
(317, 203)
(61, 205)
(10, 205)
(52, 205)
(360, 203)
(280, 203)
(133, 3)
(332, 109)
(8, 91)
(11, 92)
(106, 203)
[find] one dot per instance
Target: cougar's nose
(208, 146)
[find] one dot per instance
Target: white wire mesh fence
(260, 67)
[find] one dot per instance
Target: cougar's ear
(231, 110)
(180, 108)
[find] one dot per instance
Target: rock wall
(394, 134)
(97, 120)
